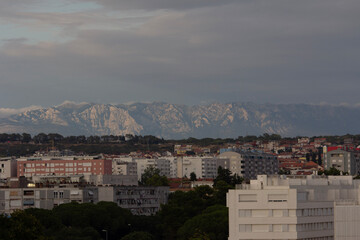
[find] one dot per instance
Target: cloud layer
(5, 112)
(182, 51)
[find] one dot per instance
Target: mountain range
(174, 121)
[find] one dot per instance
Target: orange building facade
(63, 167)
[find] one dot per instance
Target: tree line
(43, 138)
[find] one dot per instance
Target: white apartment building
(162, 164)
(277, 207)
(122, 167)
(203, 167)
(347, 220)
(7, 168)
(173, 166)
(187, 165)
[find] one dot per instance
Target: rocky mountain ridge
(174, 121)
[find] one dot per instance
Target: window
(277, 198)
(285, 213)
(28, 202)
(244, 213)
(260, 228)
(247, 198)
(245, 227)
(285, 228)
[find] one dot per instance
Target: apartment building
(203, 167)
(72, 165)
(140, 200)
(7, 168)
(162, 164)
(188, 165)
(341, 159)
(249, 164)
(307, 208)
(347, 220)
(121, 167)
(12, 199)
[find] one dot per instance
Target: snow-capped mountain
(180, 121)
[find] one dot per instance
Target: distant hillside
(172, 121)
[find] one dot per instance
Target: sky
(184, 51)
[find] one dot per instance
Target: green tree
(26, 138)
(138, 236)
(331, 171)
(223, 175)
(211, 224)
(204, 192)
(221, 188)
(25, 226)
(192, 176)
(226, 176)
(5, 227)
(152, 177)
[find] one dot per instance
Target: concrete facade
(120, 167)
(285, 208)
(249, 164)
(347, 221)
(140, 200)
(162, 164)
(21, 198)
(345, 161)
(8, 168)
(43, 166)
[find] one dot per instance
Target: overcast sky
(179, 51)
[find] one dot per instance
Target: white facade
(187, 165)
(347, 221)
(7, 168)
(121, 167)
(162, 164)
(283, 208)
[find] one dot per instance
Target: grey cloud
(277, 51)
(5, 112)
(163, 4)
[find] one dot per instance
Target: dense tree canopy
(152, 177)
